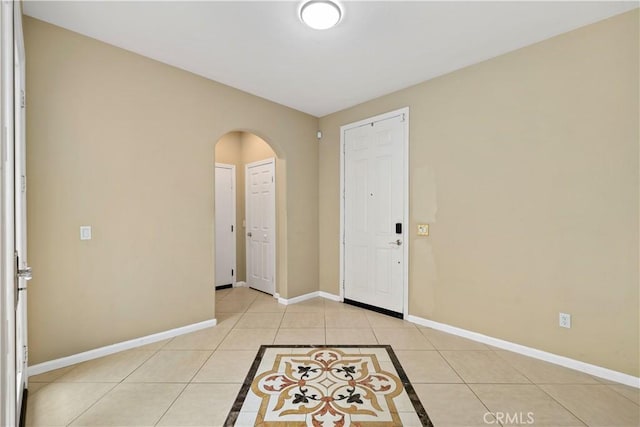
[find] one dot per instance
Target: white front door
(225, 199)
(20, 183)
(260, 216)
(374, 212)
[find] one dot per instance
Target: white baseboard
(115, 348)
(240, 284)
(301, 298)
(577, 365)
(309, 296)
(329, 296)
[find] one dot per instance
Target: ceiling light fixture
(320, 14)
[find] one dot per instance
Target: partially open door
(15, 272)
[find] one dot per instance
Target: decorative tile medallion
(333, 386)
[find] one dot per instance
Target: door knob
(249, 234)
(398, 242)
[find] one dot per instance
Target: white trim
(240, 284)
(405, 230)
(117, 347)
(332, 297)
(311, 295)
(234, 264)
(300, 298)
(577, 365)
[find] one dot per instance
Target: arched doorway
(247, 212)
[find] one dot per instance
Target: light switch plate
(85, 232)
(423, 229)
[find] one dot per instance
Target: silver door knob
(25, 273)
(249, 234)
(397, 242)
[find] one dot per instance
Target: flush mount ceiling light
(320, 14)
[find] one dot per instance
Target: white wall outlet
(565, 320)
(85, 232)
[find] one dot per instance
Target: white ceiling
(378, 47)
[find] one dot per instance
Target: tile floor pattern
(328, 386)
(193, 380)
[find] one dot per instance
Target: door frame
(233, 214)
(405, 229)
(274, 241)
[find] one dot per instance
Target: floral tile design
(324, 386)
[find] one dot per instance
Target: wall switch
(565, 320)
(85, 232)
(423, 229)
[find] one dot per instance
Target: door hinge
(23, 183)
(232, 228)
(22, 99)
(26, 354)
(403, 117)
(272, 179)
(232, 272)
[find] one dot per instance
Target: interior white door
(20, 185)
(260, 212)
(373, 206)
(225, 224)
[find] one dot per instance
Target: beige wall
(526, 167)
(240, 148)
(125, 144)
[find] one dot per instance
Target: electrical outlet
(423, 229)
(565, 320)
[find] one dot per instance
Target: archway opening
(249, 187)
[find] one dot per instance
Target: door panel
(261, 214)
(225, 201)
(373, 204)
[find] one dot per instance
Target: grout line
(452, 368)
(138, 367)
(325, 324)
(610, 386)
(171, 404)
(481, 401)
(201, 366)
(94, 403)
(561, 405)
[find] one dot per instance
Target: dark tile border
(374, 308)
(246, 385)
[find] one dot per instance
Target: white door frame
(8, 401)
(405, 227)
(272, 161)
(233, 214)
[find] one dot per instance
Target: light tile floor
(192, 380)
